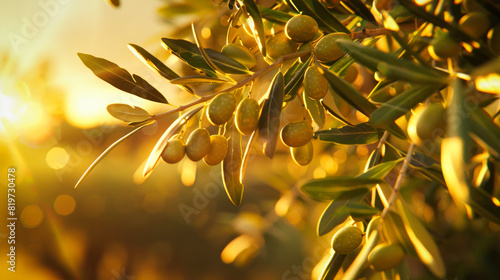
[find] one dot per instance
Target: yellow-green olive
(221, 108)
(296, 134)
(301, 28)
(474, 24)
(315, 85)
(346, 240)
(174, 151)
(327, 50)
(385, 257)
(302, 155)
(279, 45)
(198, 144)
(247, 116)
(218, 150)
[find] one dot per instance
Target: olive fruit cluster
(346, 240)
(200, 145)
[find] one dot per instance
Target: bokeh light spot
(64, 204)
(32, 216)
(57, 158)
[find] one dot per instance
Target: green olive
(198, 144)
(301, 28)
(240, 54)
(279, 45)
(385, 257)
(302, 155)
(474, 24)
(427, 122)
(327, 50)
(347, 240)
(443, 46)
(351, 74)
(247, 116)
(174, 151)
(296, 134)
(315, 85)
(218, 150)
(221, 108)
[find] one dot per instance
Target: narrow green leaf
(154, 157)
(333, 266)
(294, 77)
(269, 121)
(360, 9)
(373, 159)
(334, 187)
(423, 242)
(327, 21)
(121, 78)
(260, 35)
(390, 64)
(274, 15)
(485, 205)
(361, 210)
(189, 53)
(350, 135)
(335, 115)
(155, 64)
(381, 170)
(401, 104)
(109, 149)
(128, 113)
(190, 80)
(455, 147)
(315, 110)
(486, 131)
(231, 167)
(332, 216)
(246, 154)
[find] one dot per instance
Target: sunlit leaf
(258, 26)
(350, 135)
(202, 50)
(361, 210)
(333, 215)
(380, 170)
(190, 53)
(231, 166)
(333, 187)
(294, 77)
(269, 121)
(274, 15)
(337, 115)
(190, 80)
(315, 110)
(423, 242)
(333, 266)
(246, 154)
(154, 157)
(121, 78)
(373, 159)
(128, 113)
(486, 131)
(390, 111)
(109, 149)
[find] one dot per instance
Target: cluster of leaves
(462, 160)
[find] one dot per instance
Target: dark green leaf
(390, 111)
(269, 121)
(121, 78)
(273, 15)
(335, 115)
(315, 109)
(332, 188)
(260, 35)
(332, 216)
(231, 167)
(373, 159)
(381, 170)
(360, 9)
(128, 113)
(333, 266)
(326, 20)
(361, 210)
(190, 53)
(155, 64)
(294, 77)
(350, 135)
(486, 131)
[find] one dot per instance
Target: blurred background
(179, 224)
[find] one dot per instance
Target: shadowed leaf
(326, 20)
(121, 78)
(231, 167)
(269, 122)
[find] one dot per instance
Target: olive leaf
(154, 157)
(128, 113)
(360, 9)
(246, 155)
(350, 135)
(231, 166)
(274, 15)
(155, 64)
(423, 242)
(109, 149)
(358, 263)
(315, 110)
(333, 266)
(294, 77)
(197, 79)
(121, 78)
(269, 121)
(331, 188)
(326, 20)
(258, 30)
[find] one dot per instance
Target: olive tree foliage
(429, 115)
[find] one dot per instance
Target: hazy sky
(57, 30)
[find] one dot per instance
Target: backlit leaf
(128, 113)
(121, 78)
(350, 135)
(258, 25)
(380, 170)
(423, 242)
(333, 187)
(315, 110)
(356, 267)
(231, 166)
(326, 20)
(190, 80)
(269, 122)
